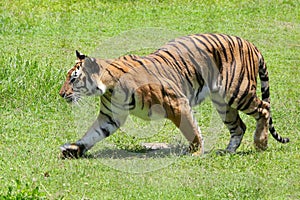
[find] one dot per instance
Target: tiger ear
(80, 56)
(91, 66)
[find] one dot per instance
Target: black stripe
(107, 108)
(214, 43)
(80, 88)
(218, 59)
(228, 39)
(175, 79)
(245, 93)
(179, 54)
(165, 94)
(208, 41)
(86, 78)
(270, 121)
(108, 99)
(196, 64)
(111, 121)
(202, 52)
(233, 128)
(218, 103)
(143, 101)
(143, 65)
(192, 56)
(198, 91)
(233, 71)
(149, 72)
(241, 76)
(105, 132)
(266, 93)
(233, 61)
(226, 80)
(245, 107)
(237, 89)
(264, 78)
(131, 104)
(170, 71)
(129, 64)
(118, 67)
(251, 113)
(240, 47)
(99, 133)
(176, 66)
(197, 47)
(231, 50)
(203, 43)
(243, 97)
(222, 46)
(109, 72)
(252, 64)
(222, 112)
(155, 65)
(160, 79)
(231, 122)
(251, 57)
(190, 53)
(125, 89)
(272, 130)
(231, 40)
(160, 66)
(233, 67)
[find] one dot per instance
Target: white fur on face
(101, 87)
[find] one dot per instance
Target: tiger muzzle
(66, 94)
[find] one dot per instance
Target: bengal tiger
(169, 82)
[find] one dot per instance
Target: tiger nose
(65, 92)
(62, 93)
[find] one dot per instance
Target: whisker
(80, 100)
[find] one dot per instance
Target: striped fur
(168, 82)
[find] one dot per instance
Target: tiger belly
(149, 105)
(152, 105)
(200, 96)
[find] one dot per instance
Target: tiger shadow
(176, 151)
(114, 153)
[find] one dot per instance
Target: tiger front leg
(71, 150)
(104, 126)
(182, 117)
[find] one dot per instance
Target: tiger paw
(260, 146)
(195, 150)
(70, 151)
(197, 153)
(264, 109)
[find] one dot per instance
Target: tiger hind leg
(232, 120)
(262, 126)
(260, 110)
(236, 128)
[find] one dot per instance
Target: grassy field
(38, 40)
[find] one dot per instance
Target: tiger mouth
(71, 99)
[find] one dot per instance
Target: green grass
(38, 40)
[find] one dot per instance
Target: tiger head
(82, 79)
